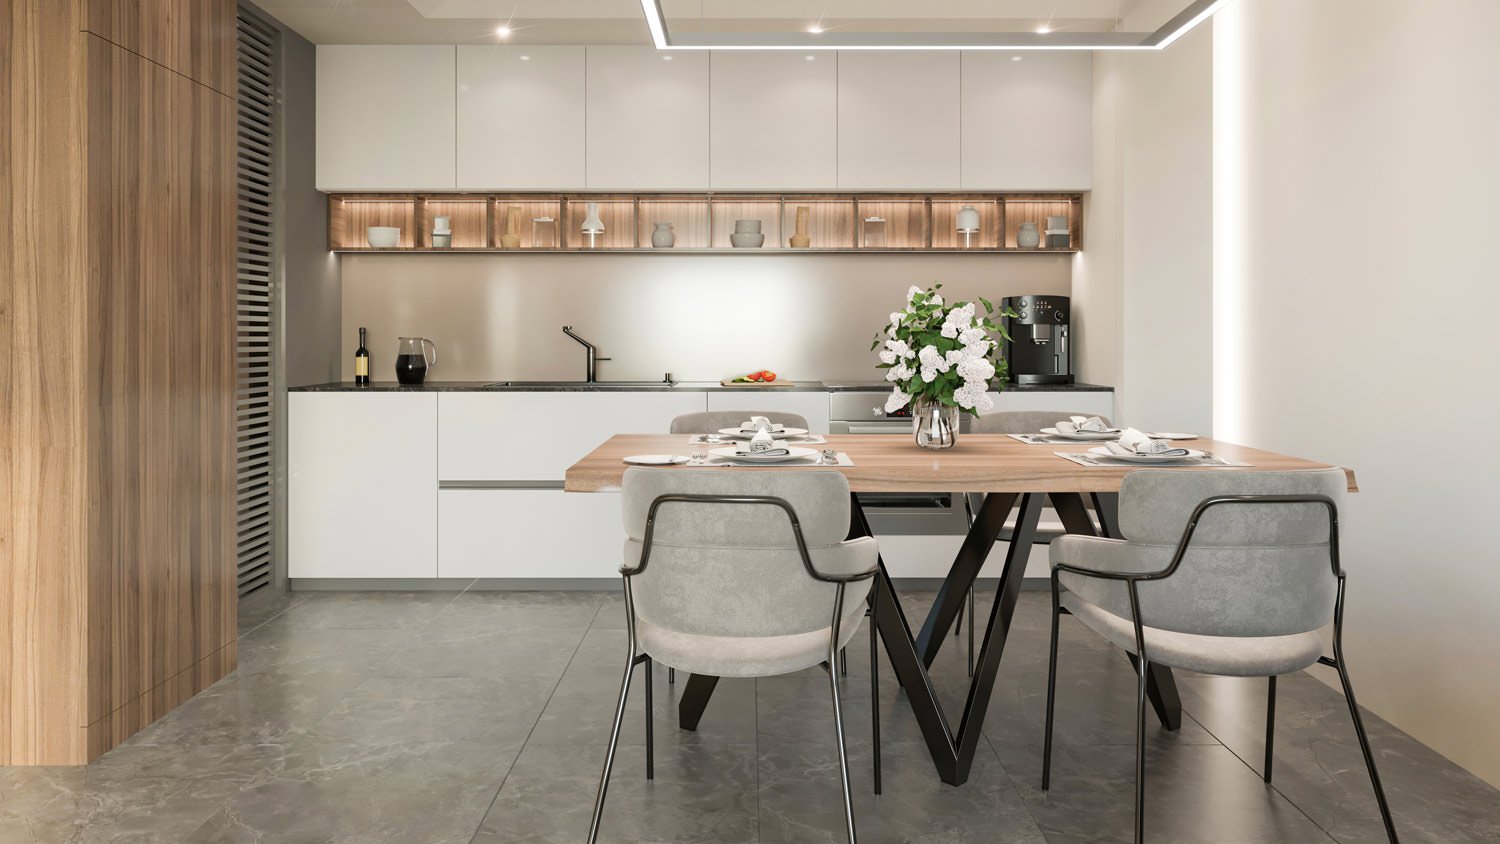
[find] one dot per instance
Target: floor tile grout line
(1259, 773)
(522, 749)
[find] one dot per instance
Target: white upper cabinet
(647, 119)
(520, 118)
(774, 120)
(1027, 124)
(898, 120)
(385, 117)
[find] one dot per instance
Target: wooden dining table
(1012, 476)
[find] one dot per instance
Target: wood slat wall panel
(188, 36)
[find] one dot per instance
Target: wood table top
(893, 463)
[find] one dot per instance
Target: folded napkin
(760, 423)
(1134, 442)
(1084, 424)
(763, 444)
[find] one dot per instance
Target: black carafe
(413, 359)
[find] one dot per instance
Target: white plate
(656, 459)
(1084, 436)
(732, 453)
(776, 435)
(1170, 435)
(1143, 458)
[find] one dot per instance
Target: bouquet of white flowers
(936, 353)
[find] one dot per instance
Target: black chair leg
(671, 676)
(614, 743)
(650, 723)
(1140, 751)
(1364, 746)
(1051, 696)
(844, 662)
(1270, 727)
(875, 699)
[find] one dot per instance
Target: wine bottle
(362, 361)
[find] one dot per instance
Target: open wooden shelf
(702, 222)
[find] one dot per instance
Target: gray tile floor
(482, 717)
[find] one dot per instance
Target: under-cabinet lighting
(1044, 38)
(502, 31)
(525, 58)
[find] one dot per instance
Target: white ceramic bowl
(383, 237)
(747, 240)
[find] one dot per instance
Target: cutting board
(730, 382)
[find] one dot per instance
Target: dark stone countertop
(680, 386)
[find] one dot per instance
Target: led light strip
(1196, 13)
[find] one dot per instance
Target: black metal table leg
(978, 543)
(1074, 515)
(1161, 685)
(695, 696)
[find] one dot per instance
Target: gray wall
(310, 273)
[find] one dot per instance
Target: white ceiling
(622, 22)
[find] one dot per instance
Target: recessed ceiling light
(1015, 58)
(666, 58)
(502, 31)
(815, 29)
(811, 58)
(1043, 29)
(526, 58)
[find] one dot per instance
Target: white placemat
(1047, 439)
(1083, 458)
(718, 439)
(843, 458)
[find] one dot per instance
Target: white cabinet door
(534, 533)
(385, 117)
(362, 485)
(535, 437)
(1028, 125)
(774, 119)
(898, 120)
(814, 406)
(647, 119)
(520, 118)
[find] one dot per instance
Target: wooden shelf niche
(616, 212)
(687, 216)
(702, 223)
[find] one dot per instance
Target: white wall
(1143, 288)
(701, 317)
(1357, 175)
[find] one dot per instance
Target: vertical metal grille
(254, 265)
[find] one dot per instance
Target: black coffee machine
(1039, 351)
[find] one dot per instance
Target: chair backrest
(714, 421)
(1022, 421)
(721, 569)
(1252, 569)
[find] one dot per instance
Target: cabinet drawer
(528, 533)
(537, 436)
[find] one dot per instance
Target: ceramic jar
(662, 236)
(1028, 237)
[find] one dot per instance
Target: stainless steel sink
(592, 385)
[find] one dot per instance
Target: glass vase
(934, 425)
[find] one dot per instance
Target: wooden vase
(512, 237)
(799, 239)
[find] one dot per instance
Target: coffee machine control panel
(1033, 310)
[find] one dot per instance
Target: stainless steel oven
(859, 408)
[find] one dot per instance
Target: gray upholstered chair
(714, 421)
(1011, 422)
(1221, 572)
(740, 574)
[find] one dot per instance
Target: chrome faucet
(591, 354)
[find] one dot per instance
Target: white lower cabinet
(362, 485)
(528, 533)
(813, 406)
(537, 436)
(1089, 402)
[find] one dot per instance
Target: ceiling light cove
(839, 33)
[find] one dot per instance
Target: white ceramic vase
(592, 225)
(1028, 237)
(662, 236)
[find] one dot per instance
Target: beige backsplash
(700, 317)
